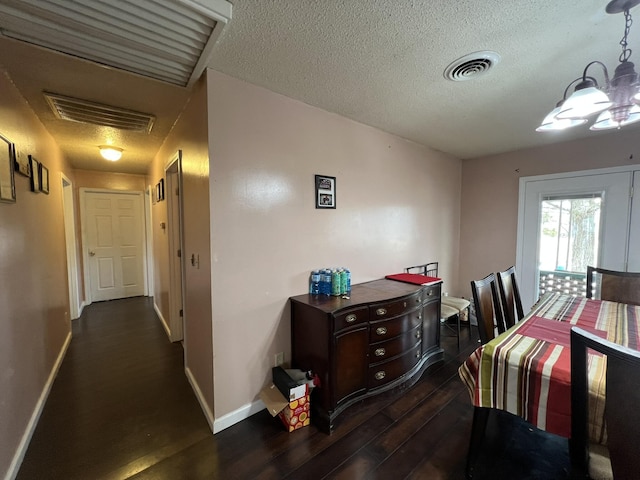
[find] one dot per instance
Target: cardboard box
(294, 412)
(291, 388)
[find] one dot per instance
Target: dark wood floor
(122, 408)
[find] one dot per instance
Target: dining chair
(510, 297)
(612, 285)
(487, 307)
(450, 307)
(620, 458)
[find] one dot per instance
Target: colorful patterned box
(296, 414)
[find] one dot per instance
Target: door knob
(91, 253)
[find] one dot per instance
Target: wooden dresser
(385, 335)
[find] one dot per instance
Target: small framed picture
(325, 191)
(43, 173)
(21, 162)
(7, 180)
(35, 174)
(161, 189)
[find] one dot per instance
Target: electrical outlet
(279, 359)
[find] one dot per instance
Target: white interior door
(114, 243)
(70, 242)
(614, 188)
(176, 248)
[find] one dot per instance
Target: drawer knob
(380, 375)
(430, 292)
(418, 335)
(417, 354)
(381, 311)
(380, 352)
(351, 318)
(418, 300)
(381, 330)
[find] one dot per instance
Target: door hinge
(181, 313)
(179, 253)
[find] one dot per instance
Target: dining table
(527, 369)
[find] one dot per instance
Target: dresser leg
(480, 417)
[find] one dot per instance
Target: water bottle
(325, 282)
(335, 283)
(314, 283)
(348, 275)
(343, 281)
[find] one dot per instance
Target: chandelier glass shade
(617, 100)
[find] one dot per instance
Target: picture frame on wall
(325, 191)
(21, 162)
(7, 180)
(43, 173)
(35, 177)
(161, 184)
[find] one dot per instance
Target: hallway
(121, 401)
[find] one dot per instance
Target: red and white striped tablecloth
(527, 370)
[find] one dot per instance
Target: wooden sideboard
(385, 335)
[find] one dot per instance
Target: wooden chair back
(622, 405)
(615, 286)
(510, 297)
(487, 305)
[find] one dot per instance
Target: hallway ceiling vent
(84, 111)
(168, 40)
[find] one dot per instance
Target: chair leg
(480, 417)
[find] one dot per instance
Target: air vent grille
(471, 66)
(84, 111)
(169, 40)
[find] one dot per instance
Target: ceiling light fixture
(616, 101)
(112, 154)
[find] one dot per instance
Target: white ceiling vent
(169, 40)
(471, 66)
(77, 110)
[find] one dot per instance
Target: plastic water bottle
(343, 281)
(335, 283)
(325, 282)
(314, 283)
(348, 280)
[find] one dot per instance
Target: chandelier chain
(626, 52)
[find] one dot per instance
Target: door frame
(69, 217)
(85, 250)
(175, 232)
(522, 266)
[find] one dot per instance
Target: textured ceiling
(379, 62)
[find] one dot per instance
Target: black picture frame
(325, 191)
(161, 189)
(21, 162)
(7, 167)
(43, 174)
(34, 165)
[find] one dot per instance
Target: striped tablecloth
(526, 370)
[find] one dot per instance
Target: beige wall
(189, 135)
(35, 321)
(490, 194)
(398, 204)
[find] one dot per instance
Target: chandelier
(617, 101)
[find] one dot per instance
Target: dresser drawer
(381, 311)
(350, 317)
(387, 329)
(385, 372)
(431, 292)
(382, 351)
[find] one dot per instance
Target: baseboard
(35, 416)
(162, 320)
(203, 404)
(238, 415)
